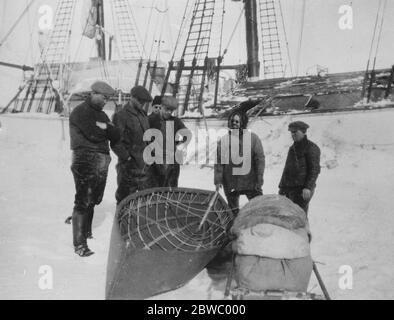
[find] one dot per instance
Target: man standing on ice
(172, 129)
(302, 167)
(240, 162)
(133, 173)
(90, 133)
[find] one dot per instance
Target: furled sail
(90, 20)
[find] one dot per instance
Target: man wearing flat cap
(132, 121)
(302, 167)
(90, 134)
(172, 128)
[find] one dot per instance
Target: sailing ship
(273, 91)
(56, 83)
(162, 228)
(194, 71)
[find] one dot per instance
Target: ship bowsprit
(158, 243)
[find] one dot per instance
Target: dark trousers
(90, 172)
(295, 195)
(233, 198)
(131, 181)
(167, 175)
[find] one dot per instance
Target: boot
(83, 251)
(79, 222)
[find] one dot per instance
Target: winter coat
(156, 122)
(84, 133)
(224, 172)
(302, 166)
(132, 122)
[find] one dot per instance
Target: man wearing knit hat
(168, 173)
(156, 105)
(302, 167)
(249, 182)
(90, 133)
(133, 173)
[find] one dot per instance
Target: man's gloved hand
(306, 194)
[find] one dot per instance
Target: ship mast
(252, 40)
(100, 22)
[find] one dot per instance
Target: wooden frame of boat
(157, 244)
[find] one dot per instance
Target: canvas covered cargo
(270, 209)
(272, 246)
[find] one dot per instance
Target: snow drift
(350, 215)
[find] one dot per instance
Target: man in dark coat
(132, 121)
(247, 183)
(168, 173)
(302, 167)
(156, 105)
(90, 133)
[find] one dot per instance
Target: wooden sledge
(158, 243)
(245, 294)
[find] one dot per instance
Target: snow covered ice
(350, 215)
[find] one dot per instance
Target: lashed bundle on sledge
(273, 257)
(157, 244)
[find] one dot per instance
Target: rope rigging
(167, 18)
(234, 30)
(379, 21)
(370, 76)
(2, 17)
(199, 39)
(222, 28)
(191, 24)
(301, 37)
(138, 34)
(31, 36)
(26, 53)
(160, 41)
(286, 40)
(153, 41)
(180, 30)
(380, 33)
(80, 43)
(26, 10)
(147, 29)
(373, 35)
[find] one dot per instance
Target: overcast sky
(324, 43)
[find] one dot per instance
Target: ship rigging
(198, 60)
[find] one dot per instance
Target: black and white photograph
(210, 151)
